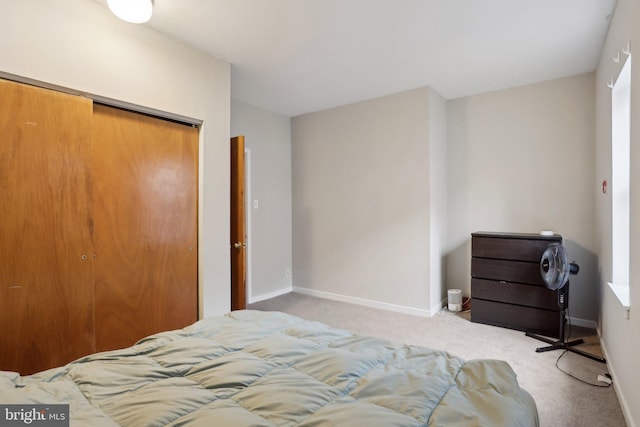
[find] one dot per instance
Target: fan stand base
(563, 345)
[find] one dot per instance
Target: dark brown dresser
(506, 285)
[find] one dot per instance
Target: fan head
(555, 267)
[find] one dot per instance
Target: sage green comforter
(252, 368)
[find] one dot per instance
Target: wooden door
(145, 225)
(46, 283)
(238, 228)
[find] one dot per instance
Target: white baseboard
(365, 302)
(269, 295)
(624, 404)
(438, 307)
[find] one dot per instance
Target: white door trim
(247, 209)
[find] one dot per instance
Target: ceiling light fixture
(134, 11)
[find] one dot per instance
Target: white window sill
(622, 293)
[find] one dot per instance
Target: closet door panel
(145, 233)
(46, 283)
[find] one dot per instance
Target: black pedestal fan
(555, 269)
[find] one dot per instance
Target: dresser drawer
(508, 271)
(518, 317)
(514, 293)
(512, 249)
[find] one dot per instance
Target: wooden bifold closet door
(98, 223)
(145, 225)
(46, 286)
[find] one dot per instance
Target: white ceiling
(299, 56)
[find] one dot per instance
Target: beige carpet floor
(561, 400)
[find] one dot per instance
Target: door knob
(239, 245)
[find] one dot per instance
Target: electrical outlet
(287, 272)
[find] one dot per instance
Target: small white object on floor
(454, 300)
(604, 379)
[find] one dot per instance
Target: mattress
(253, 368)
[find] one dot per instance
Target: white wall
(437, 199)
(522, 160)
(78, 44)
(620, 336)
(361, 202)
(268, 137)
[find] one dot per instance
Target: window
(620, 177)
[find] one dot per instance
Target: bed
(253, 368)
